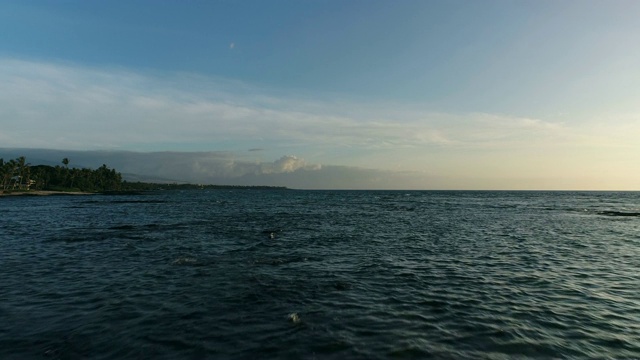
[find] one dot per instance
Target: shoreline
(43, 193)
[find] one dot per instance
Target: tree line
(17, 174)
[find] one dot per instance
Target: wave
(618, 213)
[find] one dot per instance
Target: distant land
(20, 177)
(248, 169)
(226, 168)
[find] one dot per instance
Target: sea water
(244, 274)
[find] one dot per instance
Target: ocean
(293, 274)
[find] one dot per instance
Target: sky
(529, 95)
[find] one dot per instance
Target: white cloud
(92, 108)
(48, 105)
(287, 163)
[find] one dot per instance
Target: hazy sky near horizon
(521, 94)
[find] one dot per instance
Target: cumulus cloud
(63, 106)
(287, 163)
(227, 169)
(176, 166)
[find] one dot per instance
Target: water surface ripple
(242, 274)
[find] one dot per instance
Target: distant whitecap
(294, 318)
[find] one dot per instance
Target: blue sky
(518, 94)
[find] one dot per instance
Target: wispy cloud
(65, 106)
(52, 105)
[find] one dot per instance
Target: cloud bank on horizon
(225, 169)
(475, 100)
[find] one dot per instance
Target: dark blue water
(347, 274)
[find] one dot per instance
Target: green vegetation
(15, 174)
(19, 175)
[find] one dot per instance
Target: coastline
(43, 193)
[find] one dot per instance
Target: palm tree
(4, 169)
(8, 172)
(23, 170)
(65, 161)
